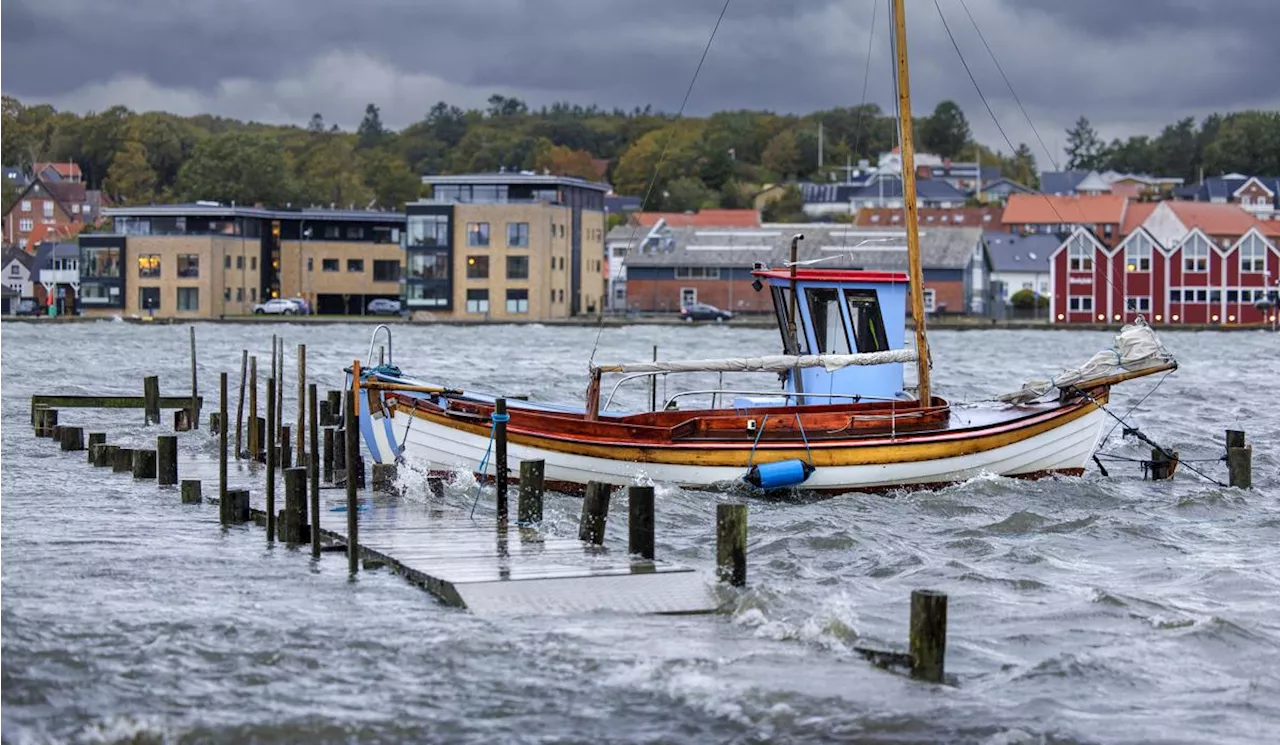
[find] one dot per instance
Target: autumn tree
(390, 180)
(131, 179)
(782, 156)
(563, 161)
(240, 167)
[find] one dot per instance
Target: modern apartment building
(211, 260)
(506, 246)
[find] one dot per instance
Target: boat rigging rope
(657, 168)
(1131, 430)
(484, 462)
(751, 458)
(805, 437)
(1135, 406)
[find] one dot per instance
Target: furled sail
(1136, 347)
(769, 363)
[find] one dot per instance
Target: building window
(355, 265)
(240, 263)
(477, 234)
(1080, 254)
(517, 267)
(562, 263)
(696, 272)
(1137, 253)
(226, 261)
(149, 265)
(561, 294)
(434, 296)
(253, 263)
(477, 301)
(477, 267)
(253, 294)
(355, 232)
(311, 264)
(1195, 254)
(433, 265)
(1139, 304)
(26, 205)
(239, 294)
(149, 298)
(332, 232)
(101, 262)
(1253, 254)
(1081, 304)
(386, 270)
(48, 208)
(328, 265)
(517, 301)
(188, 267)
(26, 225)
(518, 234)
(428, 230)
(188, 298)
(226, 294)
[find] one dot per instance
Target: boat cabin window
(782, 307)
(828, 325)
(867, 322)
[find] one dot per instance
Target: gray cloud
(1129, 66)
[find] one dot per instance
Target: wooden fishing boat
(841, 419)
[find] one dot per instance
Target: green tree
(1245, 142)
(682, 143)
(11, 192)
(370, 134)
(330, 173)
(689, 193)
(1022, 167)
(391, 181)
(131, 179)
(1028, 299)
(317, 123)
(1084, 148)
(787, 208)
(946, 131)
(240, 167)
(782, 156)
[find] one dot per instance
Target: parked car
(703, 312)
(276, 306)
(29, 307)
(383, 307)
(303, 307)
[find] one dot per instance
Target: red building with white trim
(1175, 263)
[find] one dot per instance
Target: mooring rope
(484, 462)
(752, 457)
(808, 453)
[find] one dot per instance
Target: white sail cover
(1136, 347)
(770, 363)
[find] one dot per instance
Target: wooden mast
(909, 200)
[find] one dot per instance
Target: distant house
(57, 172)
(987, 218)
(1020, 262)
(1092, 183)
(15, 270)
(703, 219)
(16, 177)
(692, 265)
(875, 190)
(998, 191)
(57, 271)
(50, 210)
(1259, 195)
(1102, 215)
(614, 204)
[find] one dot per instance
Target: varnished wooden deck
(470, 563)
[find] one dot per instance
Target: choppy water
(1082, 610)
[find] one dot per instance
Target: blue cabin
(840, 312)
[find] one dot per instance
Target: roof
(50, 251)
(13, 253)
(948, 217)
(1061, 182)
(67, 169)
(17, 176)
(1136, 214)
(1006, 185)
(702, 219)
(1039, 209)
(41, 231)
(67, 192)
(515, 177)
(1020, 253)
(616, 203)
(221, 210)
(1215, 219)
(1093, 182)
(837, 246)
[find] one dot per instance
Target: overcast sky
(1131, 66)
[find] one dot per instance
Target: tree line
(720, 160)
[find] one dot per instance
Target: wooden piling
(352, 454)
(244, 366)
(144, 464)
(928, 641)
(46, 420)
(334, 399)
(122, 460)
(500, 417)
(195, 387)
(640, 521)
(328, 454)
(151, 399)
(286, 449)
(222, 447)
(236, 506)
(182, 420)
(57, 433)
(529, 504)
(313, 472)
(191, 491)
(384, 477)
(167, 460)
(340, 456)
(215, 423)
(301, 429)
(254, 440)
(72, 439)
(279, 392)
(1239, 460)
(106, 456)
(731, 543)
(295, 496)
(271, 454)
(95, 438)
(595, 511)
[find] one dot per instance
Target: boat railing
(373, 341)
